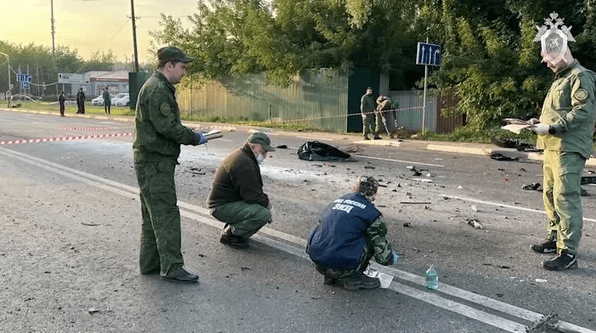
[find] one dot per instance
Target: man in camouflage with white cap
(565, 131)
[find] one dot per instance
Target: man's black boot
(565, 260)
(548, 246)
(182, 277)
(232, 240)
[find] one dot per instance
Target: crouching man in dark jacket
(350, 232)
(237, 196)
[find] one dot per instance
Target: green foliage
(240, 37)
(39, 61)
(470, 134)
(490, 58)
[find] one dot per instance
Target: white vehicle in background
(97, 101)
(124, 101)
(117, 97)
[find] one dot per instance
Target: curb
(457, 148)
(489, 151)
(460, 150)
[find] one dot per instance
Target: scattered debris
(541, 280)
(424, 180)
(244, 268)
(512, 143)
(196, 171)
(474, 208)
(501, 157)
(93, 310)
(369, 167)
(415, 171)
(90, 224)
(460, 188)
(547, 321)
(407, 224)
(532, 187)
(282, 147)
(474, 223)
(499, 266)
(414, 202)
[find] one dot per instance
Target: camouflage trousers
(348, 274)
(160, 231)
(562, 173)
(368, 124)
(245, 219)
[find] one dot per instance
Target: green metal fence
(315, 98)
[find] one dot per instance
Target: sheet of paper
(515, 128)
(385, 279)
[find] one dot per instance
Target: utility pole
(53, 30)
(8, 92)
(134, 36)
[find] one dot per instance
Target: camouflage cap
(262, 139)
(171, 53)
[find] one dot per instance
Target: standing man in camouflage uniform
(237, 196)
(156, 147)
(350, 232)
(367, 109)
(565, 132)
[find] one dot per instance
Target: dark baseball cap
(172, 53)
(262, 139)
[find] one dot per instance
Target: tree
(288, 36)
(39, 62)
(489, 56)
(101, 61)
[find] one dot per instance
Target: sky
(89, 25)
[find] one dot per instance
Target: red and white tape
(90, 128)
(64, 138)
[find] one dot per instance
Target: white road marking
(432, 298)
(505, 205)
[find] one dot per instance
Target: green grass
(464, 134)
(292, 126)
(70, 108)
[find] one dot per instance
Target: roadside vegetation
(489, 57)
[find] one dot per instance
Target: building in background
(116, 82)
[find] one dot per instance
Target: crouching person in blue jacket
(349, 233)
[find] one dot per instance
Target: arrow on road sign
(428, 54)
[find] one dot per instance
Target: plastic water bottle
(432, 279)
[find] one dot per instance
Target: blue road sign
(25, 80)
(428, 54)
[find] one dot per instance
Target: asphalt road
(71, 200)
